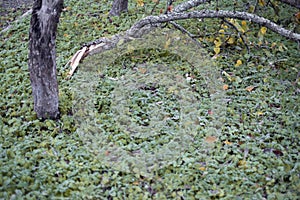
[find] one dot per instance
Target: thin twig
(157, 2)
(183, 30)
(239, 34)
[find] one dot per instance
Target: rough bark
(118, 7)
(42, 55)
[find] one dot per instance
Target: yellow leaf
(217, 50)
(202, 168)
(282, 48)
(249, 88)
(259, 113)
(227, 142)
(211, 139)
(244, 26)
(231, 40)
(242, 163)
(238, 63)
(168, 42)
(221, 31)
(263, 30)
(225, 87)
(244, 23)
(227, 75)
(238, 26)
(224, 26)
(251, 8)
(210, 39)
(261, 2)
(140, 3)
(218, 42)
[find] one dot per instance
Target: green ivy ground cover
(254, 156)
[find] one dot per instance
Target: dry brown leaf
(227, 142)
(250, 88)
(211, 139)
(142, 70)
(202, 168)
(225, 87)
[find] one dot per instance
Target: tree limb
(150, 20)
(149, 23)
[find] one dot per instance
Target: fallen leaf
(217, 50)
(261, 2)
(244, 23)
(225, 87)
(277, 152)
(227, 75)
(211, 139)
(106, 153)
(242, 163)
(140, 3)
(202, 168)
(136, 183)
(231, 40)
(170, 8)
(218, 42)
(142, 70)
(250, 88)
(227, 142)
(238, 63)
(168, 42)
(221, 31)
(263, 30)
(259, 113)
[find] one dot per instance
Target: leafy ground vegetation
(254, 156)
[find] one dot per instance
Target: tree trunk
(118, 7)
(42, 55)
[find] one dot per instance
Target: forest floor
(148, 127)
(11, 9)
